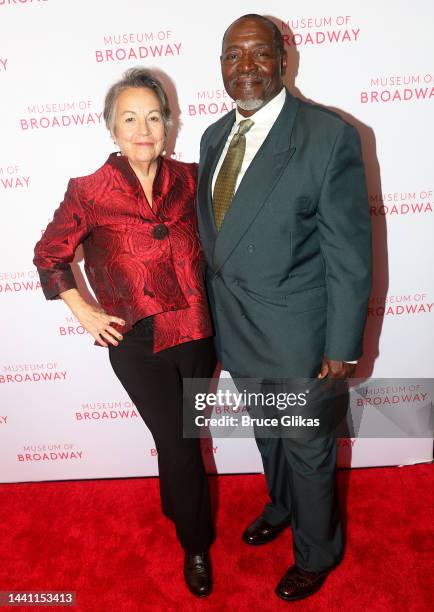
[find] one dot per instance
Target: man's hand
(336, 369)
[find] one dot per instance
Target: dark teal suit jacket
(289, 273)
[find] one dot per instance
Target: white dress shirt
(263, 120)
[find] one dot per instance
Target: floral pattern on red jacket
(140, 261)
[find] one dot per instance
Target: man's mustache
(243, 79)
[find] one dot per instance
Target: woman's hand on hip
(98, 324)
(93, 318)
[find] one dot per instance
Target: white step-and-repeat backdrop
(62, 412)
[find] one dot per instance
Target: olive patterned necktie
(224, 188)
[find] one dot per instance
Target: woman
(135, 218)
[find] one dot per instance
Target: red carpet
(107, 541)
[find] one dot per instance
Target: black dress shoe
(298, 583)
(197, 574)
(261, 532)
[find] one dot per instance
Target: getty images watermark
(268, 408)
(307, 408)
(234, 400)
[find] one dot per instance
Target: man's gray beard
(250, 105)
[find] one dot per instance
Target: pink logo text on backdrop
(17, 2)
(12, 178)
(106, 411)
(221, 103)
(146, 45)
(19, 282)
(319, 31)
(401, 203)
(410, 304)
(32, 372)
(73, 113)
(49, 452)
(399, 88)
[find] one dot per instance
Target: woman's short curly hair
(135, 77)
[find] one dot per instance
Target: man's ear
(283, 63)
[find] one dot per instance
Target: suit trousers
(154, 382)
(300, 473)
(300, 476)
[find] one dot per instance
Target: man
(284, 223)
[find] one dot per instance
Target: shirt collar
(268, 114)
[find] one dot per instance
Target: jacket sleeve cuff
(56, 280)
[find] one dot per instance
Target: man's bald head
(277, 35)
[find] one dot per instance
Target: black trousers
(154, 384)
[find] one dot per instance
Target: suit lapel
(207, 167)
(257, 183)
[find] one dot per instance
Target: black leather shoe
(298, 583)
(261, 532)
(197, 574)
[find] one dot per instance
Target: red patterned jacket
(140, 261)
